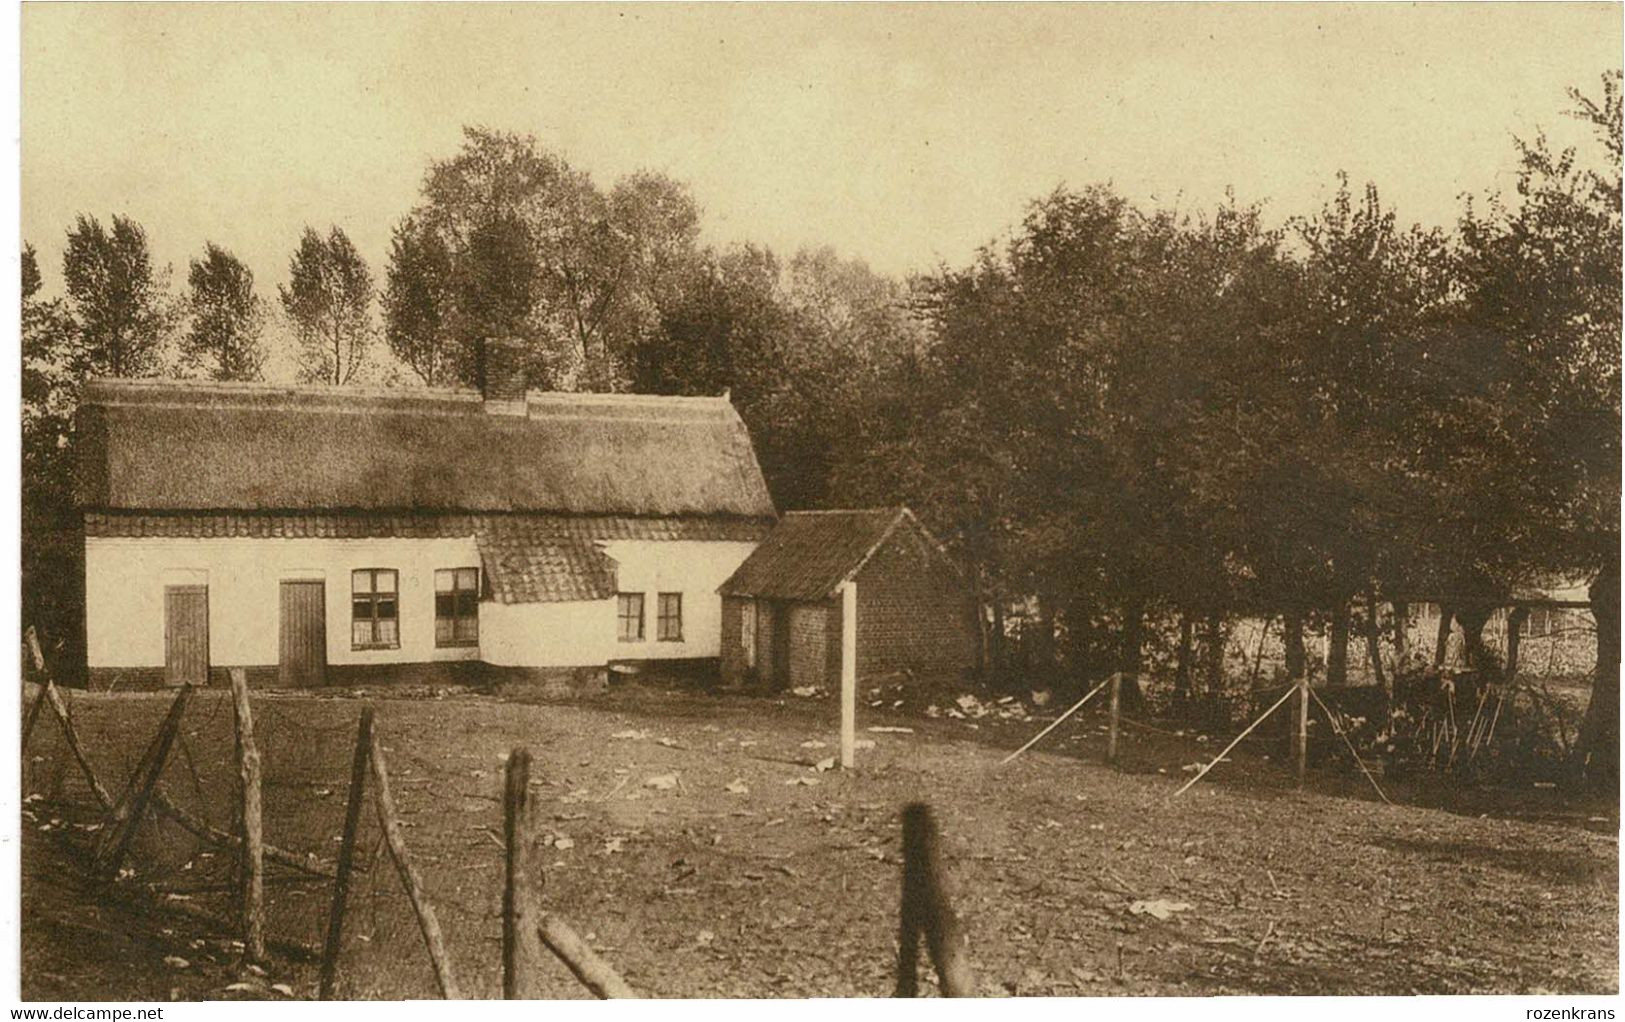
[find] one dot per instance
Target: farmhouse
(782, 611)
(331, 535)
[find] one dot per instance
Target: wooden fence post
(390, 821)
(28, 730)
(34, 651)
(849, 673)
(1115, 709)
(1301, 745)
(521, 951)
(926, 910)
(125, 818)
(252, 859)
(70, 735)
(341, 880)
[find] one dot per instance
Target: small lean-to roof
(545, 570)
(810, 553)
(168, 446)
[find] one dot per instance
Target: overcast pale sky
(905, 135)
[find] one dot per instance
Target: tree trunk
(1292, 637)
(1515, 619)
(984, 636)
(1182, 668)
(1481, 659)
(1043, 643)
(996, 648)
(1214, 653)
(1441, 644)
(1597, 750)
(1373, 641)
(1337, 649)
(1129, 658)
(1402, 635)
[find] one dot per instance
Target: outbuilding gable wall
(915, 612)
(815, 647)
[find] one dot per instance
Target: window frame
(373, 597)
(622, 617)
(661, 617)
(456, 591)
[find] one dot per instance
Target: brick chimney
(502, 375)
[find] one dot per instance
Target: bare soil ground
(790, 886)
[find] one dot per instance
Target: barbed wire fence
(178, 830)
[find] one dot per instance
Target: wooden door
(302, 657)
(781, 645)
(186, 635)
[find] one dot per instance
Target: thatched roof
(810, 553)
(186, 446)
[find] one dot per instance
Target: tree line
(1134, 418)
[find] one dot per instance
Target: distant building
(782, 609)
(325, 535)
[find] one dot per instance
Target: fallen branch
(295, 949)
(583, 962)
(305, 862)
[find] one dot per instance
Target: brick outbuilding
(782, 608)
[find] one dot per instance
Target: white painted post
(849, 671)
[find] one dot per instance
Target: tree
(1538, 329)
(52, 597)
(420, 303)
(116, 299)
(597, 268)
(328, 300)
(227, 317)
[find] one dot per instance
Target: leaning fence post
(926, 910)
(252, 895)
(427, 922)
(341, 880)
(1115, 709)
(28, 729)
(602, 981)
(521, 950)
(1301, 745)
(126, 816)
(71, 736)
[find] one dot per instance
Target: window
(374, 618)
(629, 614)
(457, 607)
(669, 618)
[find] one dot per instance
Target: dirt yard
(696, 845)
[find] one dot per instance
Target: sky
(903, 135)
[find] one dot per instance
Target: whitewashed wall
(576, 634)
(694, 569)
(125, 580)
